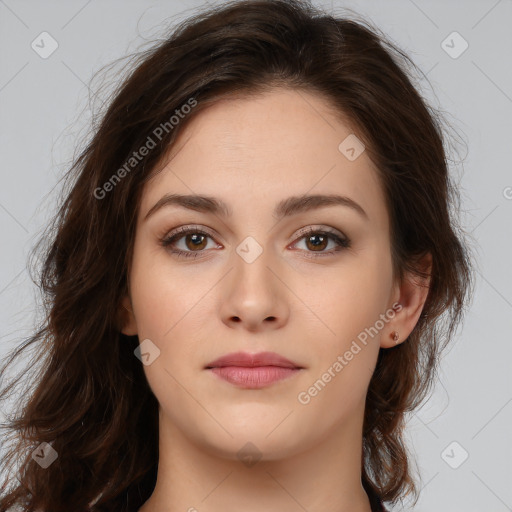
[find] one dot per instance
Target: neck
(318, 478)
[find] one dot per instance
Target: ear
(411, 295)
(128, 325)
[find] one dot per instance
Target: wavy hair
(89, 398)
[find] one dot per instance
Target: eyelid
(315, 228)
(195, 228)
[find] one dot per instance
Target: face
(313, 285)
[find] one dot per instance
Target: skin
(242, 150)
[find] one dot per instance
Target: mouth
(253, 371)
(256, 377)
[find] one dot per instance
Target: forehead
(254, 151)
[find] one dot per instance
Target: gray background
(43, 109)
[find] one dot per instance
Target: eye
(316, 240)
(195, 241)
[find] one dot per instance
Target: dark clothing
(375, 501)
(377, 506)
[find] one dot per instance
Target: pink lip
(252, 360)
(253, 371)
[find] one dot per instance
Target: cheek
(347, 348)
(173, 305)
(168, 312)
(350, 304)
(349, 298)
(164, 294)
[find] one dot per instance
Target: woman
(246, 280)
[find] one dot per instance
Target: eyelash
(168, 241)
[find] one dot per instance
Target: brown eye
(195, 241)
(317, 242)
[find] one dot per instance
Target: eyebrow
(285, 208)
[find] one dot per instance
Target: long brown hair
(89, 399)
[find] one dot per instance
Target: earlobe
(413, 292)
(128, 324)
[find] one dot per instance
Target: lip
(246, 360)
(253, 371)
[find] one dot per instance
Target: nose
(255, 297)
